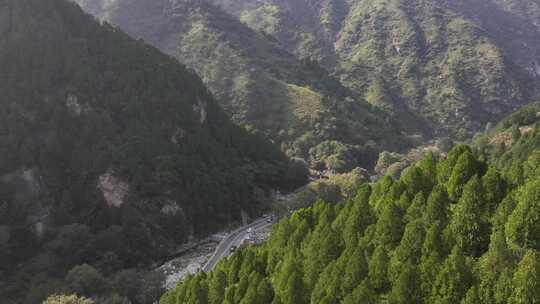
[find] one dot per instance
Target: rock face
(113, 188)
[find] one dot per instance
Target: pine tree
(356, 269)
(288, 280)
(251, 295)
(445, 167)
(324, 246)
(492, 264)
(379, 193)
(407, 289)
(265, 293)
(417, 208)
(468, 226)
(404, 201)
(531, 168)
(471, 297)
(389, 227)
(523, 226)
(466, 167)
(328, 286)
(359, 217)
(197, 291)
(216, 287)
(362, 294)
(453, 280)
(437, 206)
(294, 291)
(503, 288)
(431, 259)
(494, 190)
(229, 295)
(526, 282)
(378, 269)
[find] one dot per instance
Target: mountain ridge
(261, 85)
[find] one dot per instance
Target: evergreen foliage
(476, 247)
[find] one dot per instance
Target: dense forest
(112, 153)
(336, 82)
(453, 229)
(297, 103)
(116, 153)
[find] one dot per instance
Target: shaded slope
(110, 148)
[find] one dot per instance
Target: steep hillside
(112, 153)
(296, 103)
(457, 64)
(448, 231)
(513, 140)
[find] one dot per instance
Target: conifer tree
(265, 293)
(526, 281)
(294, 291)
(503, 288)
(251, 295)
(492, 264)
(407, 289)
(325, 246)
(523, 226)
(431, 259)
(356, 269)
(289, 277)
(437, 206)
(453, 280)
(389, 227)
(362, 294)
(445, 167)
(216, 287)
(404, 201)
(359, 218)
(417, 208)
(494, 190)
(466, 167)
(468, 226)
(471, 297)
(378, 269)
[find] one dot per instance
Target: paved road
(234, 238)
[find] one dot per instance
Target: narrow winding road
(234, 238)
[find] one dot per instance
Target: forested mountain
(296, 103)
(455, 64)
(449, 230)
(112, 153)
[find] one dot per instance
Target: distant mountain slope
(294, 102)
(110, 149)
(458, 64)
